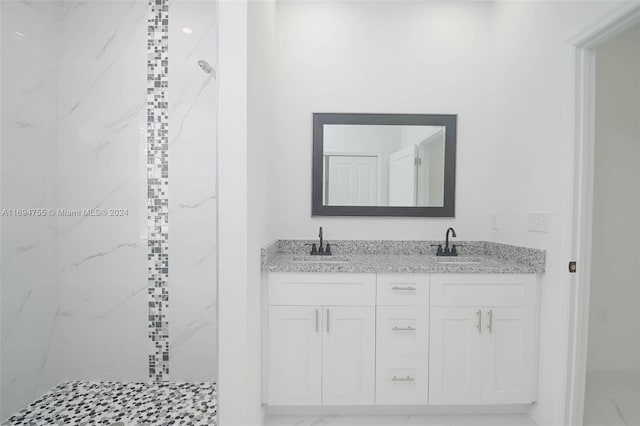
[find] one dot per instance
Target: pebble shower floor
(104, 403)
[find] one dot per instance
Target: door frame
(584, 45)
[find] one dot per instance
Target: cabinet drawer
(483, 290)
(402, 330)
(401, 380)
(403, 289)
(336, 289)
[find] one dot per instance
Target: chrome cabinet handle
(408, 328)
(479, 325)
(490, 325)
(327, 320)
(406, 288)
(403, 379)
(316, 320)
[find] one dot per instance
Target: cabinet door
(508, 352)
(348, 355)
(455, 360)
(295, 350)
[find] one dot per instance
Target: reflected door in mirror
(352, 180)
(402, 177)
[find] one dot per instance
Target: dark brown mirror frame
(447, 121)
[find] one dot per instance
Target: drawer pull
(403, 288)
(403, 379)
(408, 328)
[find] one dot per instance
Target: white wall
(505, 68)
(614, 326)
(399, 57)
(531, 156)
(412, 135)
(28, 272)
(239, 380)
(260, 137)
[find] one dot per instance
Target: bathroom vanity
(388, 323)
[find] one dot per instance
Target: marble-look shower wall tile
(28, 281)
(101, 325)
(192, 201)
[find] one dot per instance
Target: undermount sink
(458, 261)
(321, 259)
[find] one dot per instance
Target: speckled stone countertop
(402, 257)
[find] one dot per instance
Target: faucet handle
(327, 249)
(314, 249)
(439, 250)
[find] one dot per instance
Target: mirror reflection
(383, 165)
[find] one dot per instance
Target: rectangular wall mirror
(383, 165)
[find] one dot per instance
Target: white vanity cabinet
(401, 339)
(482, 348)
(321, 339)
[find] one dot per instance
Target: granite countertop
(402, 257)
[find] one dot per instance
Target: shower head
(206, 67)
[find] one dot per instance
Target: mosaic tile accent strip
(103, 403)
(157, 187)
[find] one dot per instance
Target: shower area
(108, 180)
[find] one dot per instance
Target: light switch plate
(539, 221)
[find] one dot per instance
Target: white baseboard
(617, 366)
(539, 416)
(396, 410)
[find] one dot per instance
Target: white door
(295, 350)
(402, 177)
(508, 351)
(353, 180)
(348, 354)
(455, 360)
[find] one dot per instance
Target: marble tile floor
(104, 403)
(435, 420)
(612, 398)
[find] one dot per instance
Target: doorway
(604, 351)
(612, 390)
